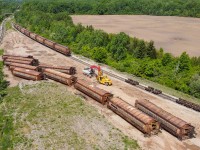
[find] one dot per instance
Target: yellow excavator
(89, 71)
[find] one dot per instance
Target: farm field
(173, 34)
(16, 43)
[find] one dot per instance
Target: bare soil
(16, 43)
(174, 34)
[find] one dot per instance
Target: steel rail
(140, 86)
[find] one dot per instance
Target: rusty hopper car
(172, 124)
(59, 76)
(188, 104)
(34, 61)
(55, 46)
(10, 55)
(65, 69)
(23, 30)
(49, 43)
(62, 49)
(143, 122)
(130, 81)
(96, 93)
(26, 32)
(40, 39)
(149, 88)
(27, 74)
(33, 35)
(9, 61)
(17, 26)
(19, 58)
(17, 65)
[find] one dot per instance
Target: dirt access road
(16, 43)
(174, 34)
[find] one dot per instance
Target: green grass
(3, 83)
(8, 25)
(8, 136)
(1, 52)
(46, 116)
(6, 128)
(129, 144)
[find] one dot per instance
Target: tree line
(8, 6)
(127, 54)
(187, 8)
(3, 83)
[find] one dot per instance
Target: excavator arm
(102, 79)
(100, 73)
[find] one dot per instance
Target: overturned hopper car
(172, 124)
(65, 69)
(34, 61)
(59, 76)
(137, 118)
(96, 93)
(18, 65)
(27, 74)
(27, 62)
(11, 55)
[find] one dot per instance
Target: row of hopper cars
(53, 45)
(145, 116)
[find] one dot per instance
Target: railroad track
(88, 64)
(143, 87)
(2, 30)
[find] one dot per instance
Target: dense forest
(189, 8)
(120, 51)
(8, 6)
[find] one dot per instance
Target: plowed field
(173, 34)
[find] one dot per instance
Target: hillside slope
(46, 115)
